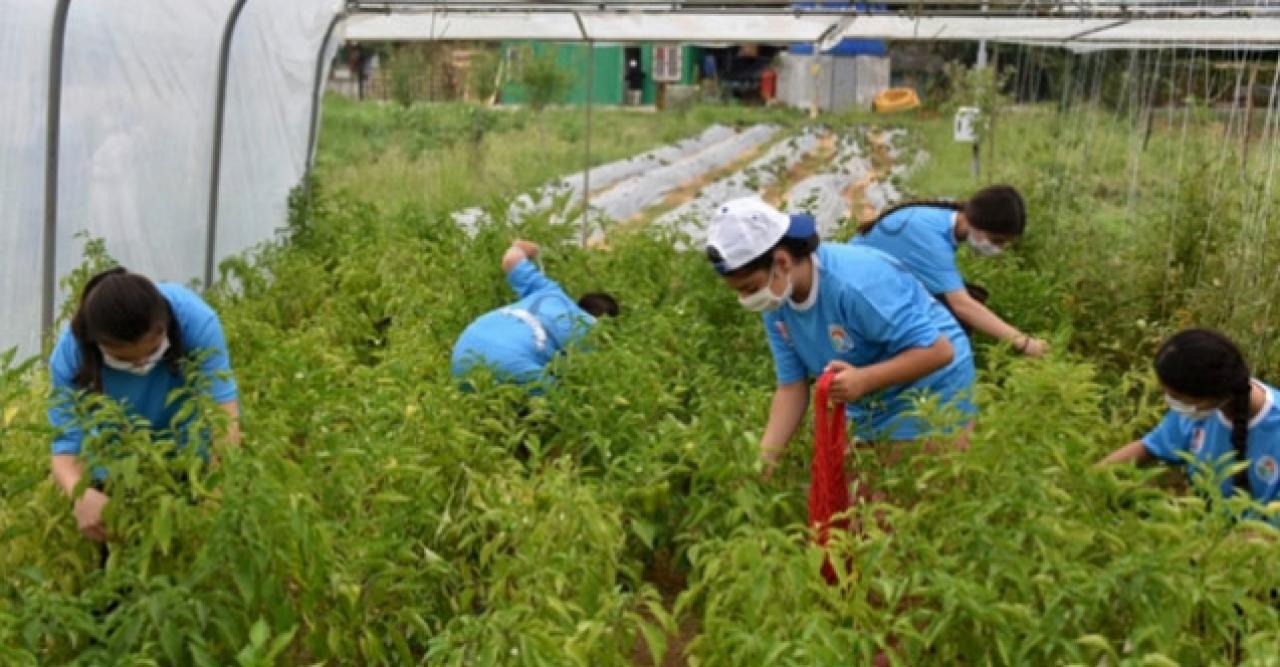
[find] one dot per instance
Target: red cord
(828, 485)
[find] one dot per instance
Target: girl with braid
(1215, 407)
(925, 235)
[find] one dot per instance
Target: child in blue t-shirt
(1215, 407)
(128, 340)
(852, 310)
(925, 236)
(517, 341)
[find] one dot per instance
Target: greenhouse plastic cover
(689, 26)
(139, 88)
(599, 26)
(1197, 31)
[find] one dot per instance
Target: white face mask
(764, 299)
(137, 369)
(983, 247)
(1187, 410)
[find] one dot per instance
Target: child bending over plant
(517, 341)
(131, 340)
(848, 309)
(1217, 411)
(925, 235)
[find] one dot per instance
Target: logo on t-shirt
(1197, 441)
(1266, 469)
(782, 331)
(840, 340)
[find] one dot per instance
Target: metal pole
(53, 122)
(586, 171)
(317, 94)
(219, 116)
(982, 46)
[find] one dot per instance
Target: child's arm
(852, 383)
(1134, 451)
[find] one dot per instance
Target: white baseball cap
(743, 229)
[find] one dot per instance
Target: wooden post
(1246, 131)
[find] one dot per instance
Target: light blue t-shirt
(866, 308)
(923, 239)
(144, 395)
(518, 341)
(1208, 439)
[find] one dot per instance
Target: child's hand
(849, 382)
(529, 248)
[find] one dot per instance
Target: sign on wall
(966, 124)
(668, 63)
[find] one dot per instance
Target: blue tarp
(846, 47)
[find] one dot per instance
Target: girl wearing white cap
(849, 309)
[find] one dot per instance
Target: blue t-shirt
(922, 238)
(143, 395)
(866, 308)
(1208, 439)
(517, 341)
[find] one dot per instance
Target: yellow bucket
(896, 99)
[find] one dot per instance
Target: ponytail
(1206, 364)
(866, 227)
(1239, 407)
(995, 209)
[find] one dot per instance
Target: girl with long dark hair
(131, 340)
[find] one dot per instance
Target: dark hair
(997, 209)
(117, 306)
(599, 304)
(1206, 364)
(798, 247)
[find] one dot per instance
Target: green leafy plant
(544, 79)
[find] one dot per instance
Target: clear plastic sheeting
(269, 108)
(768, 170)
(941, 28)
(691, 27)
(569, 189)
(1093, 46)
(1197, 31)
(24, 50)
(139, 102)
(828, 196)
(137, 120)
(546, 22)
(462, 27)
(599, 26)
(631, 196)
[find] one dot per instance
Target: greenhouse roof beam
(701, 26)
(926, 8)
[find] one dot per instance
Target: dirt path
(670, 582)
